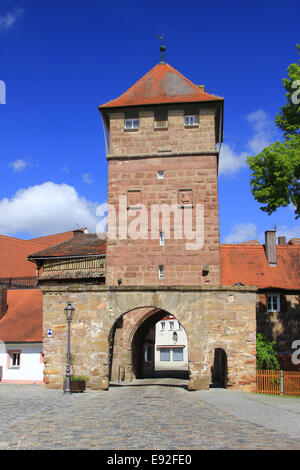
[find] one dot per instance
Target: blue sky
(61, 59)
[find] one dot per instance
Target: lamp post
(69, 312)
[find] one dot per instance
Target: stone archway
(132, 346)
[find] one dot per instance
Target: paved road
(155, 416)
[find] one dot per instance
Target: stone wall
(213, 317)
(175, 138)
(136, 261)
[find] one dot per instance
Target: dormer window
(191, 120)
(131, 124)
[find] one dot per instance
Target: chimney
(3, 300)
(281, 241)
(270, 247)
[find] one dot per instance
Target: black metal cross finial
(162, 48)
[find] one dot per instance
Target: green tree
(266, 353)
(275, 178)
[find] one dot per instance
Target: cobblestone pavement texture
(157, 416)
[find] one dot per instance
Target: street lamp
(69, 312)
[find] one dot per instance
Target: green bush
(266, 353)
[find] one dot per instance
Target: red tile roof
(56, 237)
(249, 265)
(81, 245)
(14, 252)
(162, 84)
(24, 317)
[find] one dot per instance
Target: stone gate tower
(163, 173)
(161, 255)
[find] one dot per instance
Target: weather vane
(162, 48)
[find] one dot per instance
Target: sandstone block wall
(175, 138)
(213, 317)
(136, 261)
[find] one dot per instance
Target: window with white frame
(14, 359)
(178, 354)
(273, 303)
(160, 175)
(171, 325)
(131, 123)
(165, 354)
(191, 120)
(162, 326)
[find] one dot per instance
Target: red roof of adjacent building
(162, 84)
(14, 252)
(84, 244)
(24, 317)
(56, 238)
(247, 264)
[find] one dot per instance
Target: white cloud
(230, 161)
(242, 233)
(86, 178)
(263, 130)
(18, 165)
(8, 19)
(46, 208)
(263, 133)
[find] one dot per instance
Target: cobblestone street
(139, 416)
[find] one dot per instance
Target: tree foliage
(266, 353)
(275, 178)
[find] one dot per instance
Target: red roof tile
(162, 84)
(80, 245)
(14, 252)
(24, 317)
(56, 237)
(249, 265)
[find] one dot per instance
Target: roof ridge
(167, 67)
(22, 241)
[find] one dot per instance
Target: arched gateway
(162, 249)
(147, 342)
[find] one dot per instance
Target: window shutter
(262, 302)
(283, 303)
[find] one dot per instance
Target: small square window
(191, 120)
(131, 123)
(160, 175)
(161, 119)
